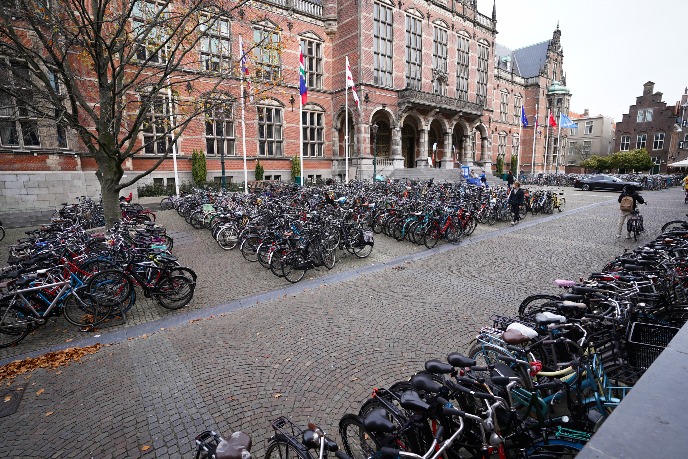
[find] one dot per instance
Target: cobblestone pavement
(313, 351)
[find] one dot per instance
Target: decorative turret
(494, 10)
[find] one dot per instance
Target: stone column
(395, 153)
(467, 155)
(448, 158)
(486, 154)
(422, 161)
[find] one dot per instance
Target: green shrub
(259, 171)
(198, 167)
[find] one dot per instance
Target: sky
(611, 47)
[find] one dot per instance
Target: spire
(494, 11)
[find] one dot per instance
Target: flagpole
(346, 126)
(556, 167)
(520, 132)
(532, 162)
(243, 117)
(301, 136)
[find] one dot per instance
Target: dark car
(604, 182)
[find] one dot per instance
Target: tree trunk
(111, 210)
(109, 174)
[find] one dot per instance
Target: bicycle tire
(554, 448)
(88, 311)
(293, 266)
(2, 233)
(329, 257)
(174, 292)
(282, 449)
(228, 237)
(530, 305)
(674, 224)
(166, 204)
(111, 283)
(431, 237)
(13, 324)
(249, 248)
(357, 441)
(362, 250)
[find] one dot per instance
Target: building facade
(594, 135)
(652, 125)
(431, 79)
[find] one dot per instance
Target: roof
(528, 61)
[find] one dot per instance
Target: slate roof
(526, 61)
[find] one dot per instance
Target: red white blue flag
(303, 89)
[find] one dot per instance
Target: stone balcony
(414, 98)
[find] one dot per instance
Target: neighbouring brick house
(653, 125)
(429, 75)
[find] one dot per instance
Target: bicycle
(634, 224)
(2, 232)
(24, 309)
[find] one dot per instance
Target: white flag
(350, 83)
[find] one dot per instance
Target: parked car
(604, 182)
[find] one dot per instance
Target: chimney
(586, 113)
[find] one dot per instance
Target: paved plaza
(251, 347)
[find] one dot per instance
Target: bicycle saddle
(460, 361)
(376, 421)
(438, 367)
(237, 447)
(425, 383)
(410, 400)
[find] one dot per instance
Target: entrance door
(408, 146)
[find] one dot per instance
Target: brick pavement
(312, 355)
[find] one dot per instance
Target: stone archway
(409, 139)
(436, 144)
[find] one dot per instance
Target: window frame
(440, 57)
(274, 142)
(518, 102)
(482, 72)
(156, 120)
(154, 37)
(312, 50)
(214, 40)
(463, 66)
(625, 143)
(589, 125)
(267, 59)
(641, 141)
(225, 139)
(18, 121)
(313, 147)
(383, 45)
(503, 105)
(658, 141)
(414, 52)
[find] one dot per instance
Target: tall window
(587, 147)
(588, 127)
(269, 131)
(149, 19)
(555, 69)
(515, 147)
(157, 136)
(313, 129)
(414, 52)
(501, 146)
(219, 128)
(483, 61)
(573, 149)
(462, 67)
(383, 40)
(216, 50)
(574, 130)
(641, 141)
(267, 52)
(439, 60)
(625, 142)
(503, 106)
(658, 143)
(518, 102)
(313, 60)
(18, 121)
(644, 115)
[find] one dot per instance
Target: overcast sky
(611, 47)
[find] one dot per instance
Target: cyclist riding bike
(685, 188)
(628, 200)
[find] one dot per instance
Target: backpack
(626, 204)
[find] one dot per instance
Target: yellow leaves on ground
(40, 391)
(50, 360)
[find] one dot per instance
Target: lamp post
(373, 129)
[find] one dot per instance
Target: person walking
(628, 200)
(510, 180)
(483, 178)
(516, 198)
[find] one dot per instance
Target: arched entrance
(435, 142)
(458, 143)
(408, 144)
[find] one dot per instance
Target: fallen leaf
(58, 372)
(49, 413)
(354, 378)
(40, 391)
(69, 340)
(145, 447)
(277, 395)
(8, 398)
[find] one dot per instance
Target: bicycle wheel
(85, 309)
(249, 248)
(554, 448)
(174, 292)
(2, 233)
(228, 237)
(362, 250)
(294, 266)
(357, 441)
(329, 257)
(533, 304)
(13, 324)
(280, 449)
(471, 225)
(674, 225)
(431, 237)
(166, 204)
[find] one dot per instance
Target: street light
(373, 128)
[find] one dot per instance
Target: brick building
(429, 75)
(652, 125)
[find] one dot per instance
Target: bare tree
(115, 71)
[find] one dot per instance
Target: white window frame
(463, 58)
(383, 45)
(270, 125)
(216, 43)
(518, 102)
(219, 128)
(312, 50)
(440, 52)
(18, 121)
(503, 105)
(482, 72)
(414, 52)
(625, 144)
(149, 41)
(266, 51)
(658, 141)
(641, 141)
(156, 125)
(313, 124)
(588, 127)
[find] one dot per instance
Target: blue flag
(566, 123)
(524, 119)
(303, 89)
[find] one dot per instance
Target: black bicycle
(634, 224)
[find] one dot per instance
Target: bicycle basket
(208, 208)
(646, 341)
